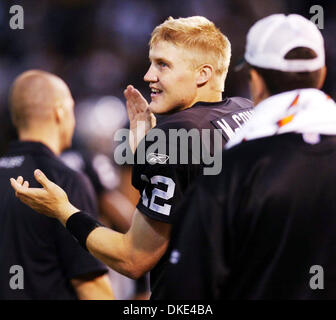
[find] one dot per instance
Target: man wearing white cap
(267, 227)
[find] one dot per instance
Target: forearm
(107, 245)
(112, 248)
(131, 254)
(98, 288)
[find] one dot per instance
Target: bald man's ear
(204, 74)
(59, 113)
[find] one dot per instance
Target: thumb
(42, 179)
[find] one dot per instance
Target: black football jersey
(162, 182)
(264, 228)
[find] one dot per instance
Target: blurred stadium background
(99, 47)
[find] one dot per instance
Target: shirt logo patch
(154, 158)
(11, 162)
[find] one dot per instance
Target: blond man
(189, 60)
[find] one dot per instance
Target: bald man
(42, 109)
(39, 258)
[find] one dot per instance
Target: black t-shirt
(46, 251)
(165, 175)
(262, 228)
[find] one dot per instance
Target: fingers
(129, 105)
(127, 91)
(136, 103)
(19, 185)
(15, 185)
(42, 179)
(139, 101)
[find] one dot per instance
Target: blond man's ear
(205, 73)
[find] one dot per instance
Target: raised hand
(140, 117)
(51, 200)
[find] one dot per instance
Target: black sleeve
(196, 267)
(75, 260)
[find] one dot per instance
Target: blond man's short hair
(196, 33)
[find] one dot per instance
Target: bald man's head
(42, 109)
(34, 96)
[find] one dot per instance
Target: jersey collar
(31, 147)
(225, 101)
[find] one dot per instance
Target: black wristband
(80, 225)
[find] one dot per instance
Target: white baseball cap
(271, 38)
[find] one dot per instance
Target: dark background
(100, 46)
